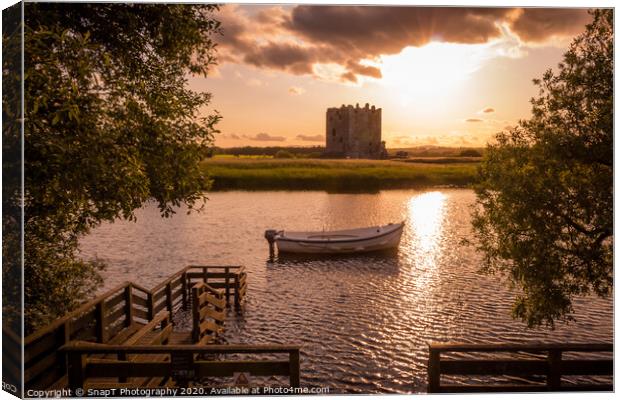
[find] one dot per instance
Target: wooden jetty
(529, 367)
(125, 337)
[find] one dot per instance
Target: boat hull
(342, 242)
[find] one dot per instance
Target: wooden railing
(11, 360)
(231, 279)
(527, 364)
(109, 317)
(207, 313)
(191, 367)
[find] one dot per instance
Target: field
(335, 175)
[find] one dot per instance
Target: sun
(431, 71)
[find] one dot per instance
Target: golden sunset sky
(443, 76)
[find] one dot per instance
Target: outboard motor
(270, 235)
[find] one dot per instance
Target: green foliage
(333, 175)
(11, 168)
(545, 199)
(284, 154)
(110, 124)
(470, 153)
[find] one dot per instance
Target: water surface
(364, 321)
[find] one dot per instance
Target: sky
(442, 76)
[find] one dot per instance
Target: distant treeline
(317, 151)
(273, 151)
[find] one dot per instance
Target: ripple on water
(364, 321)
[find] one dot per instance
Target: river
(364, 321)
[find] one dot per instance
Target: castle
(354, 132)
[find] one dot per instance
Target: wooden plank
(115, 316)
(294, 380)
(124, 334)
(82, 322)
(491, 388)
(89, 334)
(493, 367)
(523, 388)
(128, 305)
(97, 348)
(219, 316)
(103, 368)
(228, 368)
(159, 318)
(101, 324)
(113, 330)
(177, 294)
(554, 378)
(48, 379)
(587, 367)
(138, 313)
(176, 282)
(434, 373)
(210, 275)
(169, 298)
(41, 366)
(207, 339)
(42, 346)
(159, 307)
(213, 266)
(499, 347)
(115, 300)
(74, 314)
(163, 336)
(210, 326)
(206, 297)
(160, 294)
(140, 301)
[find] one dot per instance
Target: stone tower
(354, 132)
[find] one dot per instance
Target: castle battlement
(354, 132)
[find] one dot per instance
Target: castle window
(334, 132)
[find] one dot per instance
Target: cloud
(286, 56)
(474, 120)
(296, 91)
(487, 110)
(311, 138)
(265, 137)
(541, 24)
(297, 39)
(230, 136)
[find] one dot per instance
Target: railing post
(128, 305)
(151, 305)
(293, 359)
(76, 370)
(433, 370)
(122, 356)
(205, 274)
(169, 297)
(237, 287)
(100, 316)
(554, 376)
(195, 315)
(65, 338)
(227, 285)
(184, 286)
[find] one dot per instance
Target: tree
(109, 125)
(544, 215)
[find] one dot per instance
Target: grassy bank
(334, 175)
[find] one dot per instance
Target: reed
(334, 175)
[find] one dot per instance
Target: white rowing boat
(359, 240)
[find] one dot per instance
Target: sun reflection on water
(426, 213)
(423, 249)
